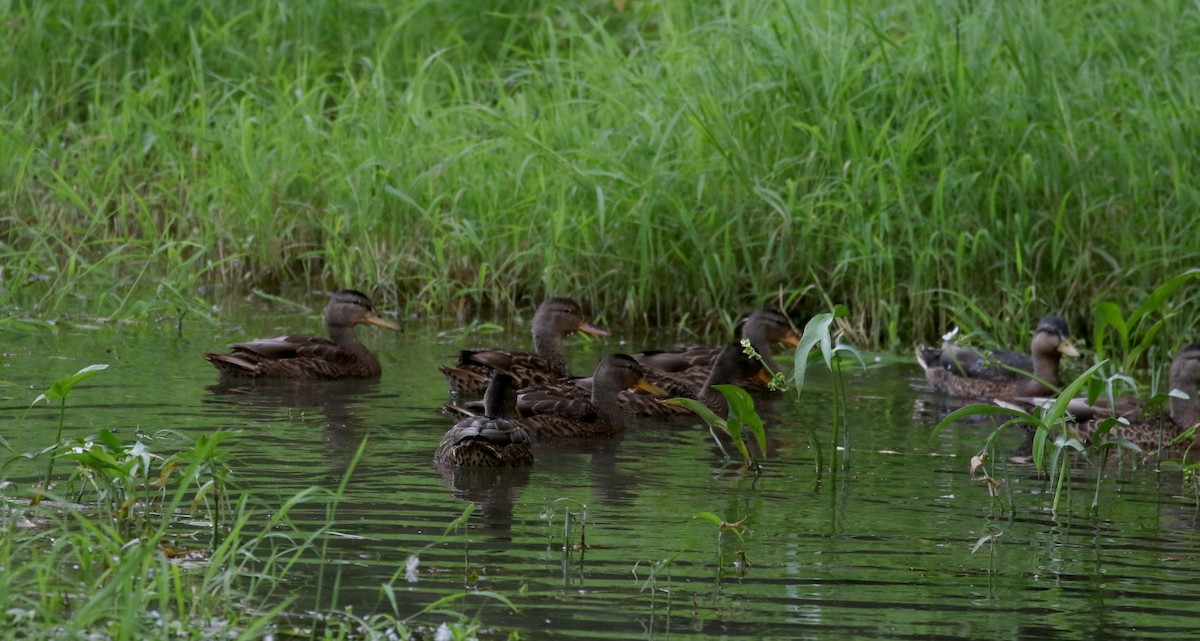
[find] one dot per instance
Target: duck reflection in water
(339, 404)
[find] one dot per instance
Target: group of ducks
(532, 396)
(1026, 381)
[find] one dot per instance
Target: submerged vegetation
(659, 160)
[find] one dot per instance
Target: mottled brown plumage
(969, 373)
(731, 367)
(763, 328)
(299, 356)
(1148, 429)
(492, 439)
(554, 320)
(561, 412)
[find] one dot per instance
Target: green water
(601, 541)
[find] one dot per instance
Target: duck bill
(588, 328)
(791, 340)
(651, 388)
(1067, 349)
(379, 321)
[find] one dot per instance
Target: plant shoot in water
(742, 415)
(818, 334)
(59, 392)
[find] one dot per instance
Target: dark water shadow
(494, 490)
(342, 405)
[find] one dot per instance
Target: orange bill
(792, 339)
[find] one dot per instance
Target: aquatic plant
(59, 391)
(125, 561)
(738, 528)
(818, 333)
(1051, 434)
(410, 574)
(741, 415)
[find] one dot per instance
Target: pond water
(601, 541)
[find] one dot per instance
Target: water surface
(600, 541)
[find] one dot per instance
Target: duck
(1146, 428)
(554, 320)
(491, 439)
(965, 372)
(732, 366)
(562, 411)
(300, 356)
(764, 328)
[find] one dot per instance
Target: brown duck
(554, 320)
(1149, 430)
(299, 356)
(965, 372)
(763, 328)
(731, 367)
(492, 439)
(562, 412)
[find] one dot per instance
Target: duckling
(965, 372)
(299, 356)
(553, 321)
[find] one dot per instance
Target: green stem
(62, 417)
(1064, 463)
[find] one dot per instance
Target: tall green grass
(917, 161)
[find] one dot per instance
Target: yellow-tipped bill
(651, 388)
(1066, 348)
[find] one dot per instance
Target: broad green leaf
(1039, 448)
(110, 441)
(815, 331)
(1059, 408)
(62, 387)
(1104, 427)
(979, 409)
(701, 410)
(854, 351)
(741, 406)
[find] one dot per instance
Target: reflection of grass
(664, 158)
(122, 559)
